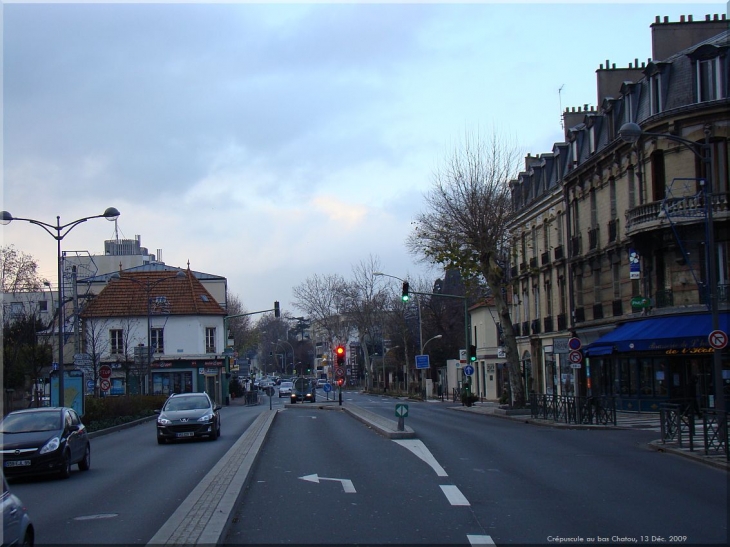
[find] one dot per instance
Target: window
(42, 305)
(612, 197)
(594, 209)
(655, 97)
(579, 288)
(116, 341)
(210, 340)
(16, 309)
(708, 80)
(658, 175)
(157, 340)
(616, 281)
(534, 241)
(632, 188)
(597, 293)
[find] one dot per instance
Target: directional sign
(468, 370)
(105, 385)
(401, 410)
(89, 384)
(347, 485)
(422, 361)
(575, 357)
(327, 387)
(717, 339)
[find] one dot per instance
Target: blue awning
(676, 332)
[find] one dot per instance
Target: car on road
(321, 382)
(46, 440)
(285, 388)
(187, 416)
(17, 525)
(304, 390)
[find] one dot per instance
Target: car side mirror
(217, 408)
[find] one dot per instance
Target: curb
(719, 463)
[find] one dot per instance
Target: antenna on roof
(560, 101)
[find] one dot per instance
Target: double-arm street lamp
(632, 133)
(58, 232)
(292, 354)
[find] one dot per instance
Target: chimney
(670, 38)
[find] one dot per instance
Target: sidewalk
(648, 421)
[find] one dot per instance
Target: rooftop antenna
(560, 101)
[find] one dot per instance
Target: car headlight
(51, 445)
(206, 418)
(163, 421)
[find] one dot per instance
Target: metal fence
(678, 424)
(573, 410)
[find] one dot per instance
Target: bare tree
(464, 226)
(96, 342)
(323, 299)
(18, 271)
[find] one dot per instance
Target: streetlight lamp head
(374, 273)
(630, 132)
(5, 217)
(111, 213)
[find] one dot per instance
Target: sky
(268, 143)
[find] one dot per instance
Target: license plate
(185, 434)
(17, 463)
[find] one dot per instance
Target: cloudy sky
(267, 143)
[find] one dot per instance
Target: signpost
(717, 339)
(560, 345)
(422, 361)
(401, 412)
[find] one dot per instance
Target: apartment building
(610, 238)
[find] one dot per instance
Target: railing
(678, 425)
(573, 410)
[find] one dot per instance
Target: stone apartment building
(610, 238)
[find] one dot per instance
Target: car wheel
(65, 471)
(85, 463)
(28, 539)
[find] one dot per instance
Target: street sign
(640, 302)
(575, 365)
(462, 355)
(339, 372)
(105, 371)
(105, 385)
(560, 345)
(327, 387)
(89, 384)
(401, 410)
(717, 339)
(573, 343)
(468, 370)
(575, 357)
(422, 361)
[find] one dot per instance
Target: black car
(304, 389)
(44, 440)
(188, 415)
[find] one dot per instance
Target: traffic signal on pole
(405, 296)
(277, 311)
(472, 353)
(340, 355)
(340, 381)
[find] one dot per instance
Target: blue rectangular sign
(422, 361)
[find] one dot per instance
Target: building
(610, 237)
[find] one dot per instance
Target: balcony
(617, 308)
(575, 246)
(580, 315)
(545, 258)
(559, 252)
(562, 321)
(664, 298)
(593, 239)
(535, 326)
(685, 209)
(598, 311)
(547, 324)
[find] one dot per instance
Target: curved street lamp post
(58, 232)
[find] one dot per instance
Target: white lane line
(454, 495)
(480, 540)
(420, 450)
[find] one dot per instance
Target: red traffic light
(340, 381)
(340, 355)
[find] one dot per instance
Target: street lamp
(292, 354)
(438, 336)
(632, 133)
(58, 232)
(147, 286)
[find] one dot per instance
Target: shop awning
(676, 332)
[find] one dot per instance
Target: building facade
(610, 238)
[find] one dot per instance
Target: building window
(612, 197)
(116, 342)
(594, 209)
(709, 83)
(210, 340)
(655, 97)
(42, 305)
(597, 293)
(534, 241)
(658, 175)
(579, 288)
(631, 187)
(616, 281)
(157, 340)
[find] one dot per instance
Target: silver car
(285, 389)
(17, 526)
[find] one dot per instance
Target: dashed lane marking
(480, 540)
(454, 495)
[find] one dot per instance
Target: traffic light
(405, 296)
(472, 353)
(277, 311)
(340, 355)
(340, 381)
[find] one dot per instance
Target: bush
(103, 412)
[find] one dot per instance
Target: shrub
(103, 412)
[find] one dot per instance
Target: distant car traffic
(17, 526)
(44, 440)
(186, 416)
(321, 382)
(285, 389)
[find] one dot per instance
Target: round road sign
(339, 372)
(717, 339)
(105, 371)
(575, 357)
(574, 344)
(468, 370)
(104, 385)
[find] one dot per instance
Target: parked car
(17, 526)
(285, 389)
(188, 415)
(304, 390)
(44, 440)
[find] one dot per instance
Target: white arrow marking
(419, 449)
(347, 485)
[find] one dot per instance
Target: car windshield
(285, 384)
(30, 421)
(187, 403)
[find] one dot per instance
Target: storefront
(188, 375)
(647, 362)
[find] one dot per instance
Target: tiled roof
(126, 296)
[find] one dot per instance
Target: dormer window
(655, 96)
(709, 78)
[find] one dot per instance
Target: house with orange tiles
(159, 331)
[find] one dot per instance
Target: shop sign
(640, 302)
